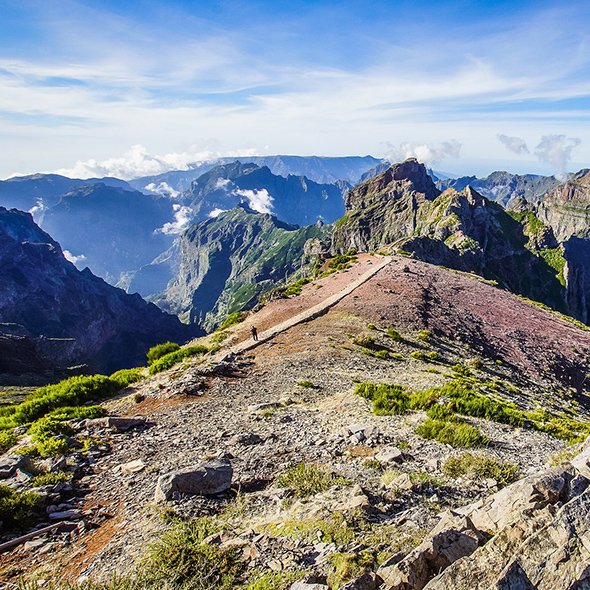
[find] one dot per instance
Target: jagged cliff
(567, 211)
(227, 262)
(60, 316)
(461, 230)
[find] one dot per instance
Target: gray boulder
(204, 479)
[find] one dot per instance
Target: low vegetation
(466, 395)
(307, 480)
(160, 350)
(169, 360)
(233, 319)
(126, 377)
(480, 466)
(181, 556)
(455, 432)
(17, 509)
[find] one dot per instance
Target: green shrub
(425, 336)
(49, 479)
(47, 436)
(77, 413)
(232, 320)
(394, 335)
(171, 359)
(160, 350)
(126, 377)
(454, 433)
(7, 440)
(307, 384)
(381, 354)
(296, 287)
(366, 341)
(307, 480)
(387, 399)
(433, 355)
(17, 508)
(480, 466)
(418, 355)
(439, 412)
(70, 392)
(332, 529)
(371, 327)
(181, 556)
(461, 370)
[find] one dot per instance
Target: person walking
(254, 333)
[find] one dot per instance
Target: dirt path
(310, 313)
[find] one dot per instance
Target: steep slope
(567, 211)
(461, 230)
(68, 317)
(504, 187)
(289, 402)
(292, 199)
(226, 262)
(111, 229)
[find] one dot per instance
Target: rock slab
(204, 479)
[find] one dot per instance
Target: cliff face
(567, 211)
(69, 317)
(461, 230)
(228, 261)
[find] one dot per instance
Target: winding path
(309, 314)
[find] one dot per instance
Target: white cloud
(259, 200)
(216, 213)
(163, 189)
(222, 183)
(72, 258)
(137, 162)
(556, 150)
(427, 154)
(516, 145)
(182, 219)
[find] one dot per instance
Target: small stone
(66, 515)
(132, 467)
(388, 455)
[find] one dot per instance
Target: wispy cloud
(182, 219)
(427, 154)
(556, 150)
(259, 200)
(517, 145)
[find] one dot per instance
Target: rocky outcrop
(59, 317)
(532, 534)
(383, 209)
(227, 262)
(211, 477)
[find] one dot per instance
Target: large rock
(546, 551)
(454, 537)
(211, 477)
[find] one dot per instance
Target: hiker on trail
(254, 333)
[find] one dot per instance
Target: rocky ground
(290, 401)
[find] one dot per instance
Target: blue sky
(133, 88)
